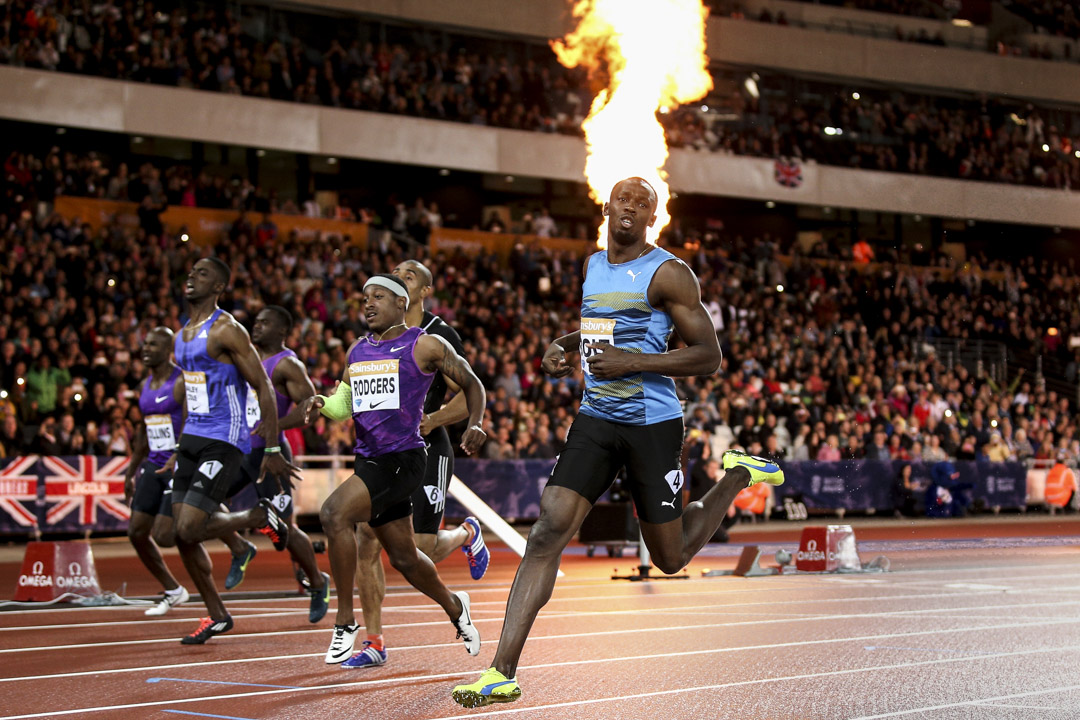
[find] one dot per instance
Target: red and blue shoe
(370, 656)
(475, 550)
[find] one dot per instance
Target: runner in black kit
(429, 500)
(291, 386)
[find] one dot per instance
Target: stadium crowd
(523, 87)
(831, 367)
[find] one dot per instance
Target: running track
(975, 620)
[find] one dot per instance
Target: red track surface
(970, 633)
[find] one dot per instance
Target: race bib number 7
(595, 330)
(198, 396)
(374, 386)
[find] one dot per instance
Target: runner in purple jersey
(429, 499)
(291, 384)
(217, 358)
(383, 390)
(146, 487)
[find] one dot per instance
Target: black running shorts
(267, 488)
(205, 470)
(153, 495)
(429, 499)
(597, 449)
(391, 480)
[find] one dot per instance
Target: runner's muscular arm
(431, 352)
(179, 393)
(675, 289)
(452, 412)
(340, 401)
(232, 338)
(298, 387)
(140, 450)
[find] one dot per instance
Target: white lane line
(763, 681)
(501, 603)
(979, 702)
(665, 657)
(607, 613)
(598, 633)
(1015, 707)
(280, 612)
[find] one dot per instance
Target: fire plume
(653, 52)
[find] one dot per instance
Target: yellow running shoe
(761, 470)
(492, 687)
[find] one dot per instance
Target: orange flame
(654, 52)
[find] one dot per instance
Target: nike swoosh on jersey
(395, 349)
(377, 404)
(161, 399)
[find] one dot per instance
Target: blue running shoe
(475, 550)
(368, 657)
(238, 567)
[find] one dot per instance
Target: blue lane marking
(222, 682)
(188, 712)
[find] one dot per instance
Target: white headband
(389, 285)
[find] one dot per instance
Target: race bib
(254, 412)
(159, 433)
(595, 330)
(374, 385)
(198, 396)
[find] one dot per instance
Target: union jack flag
(19, 486)
(85, 483)
(788, 173)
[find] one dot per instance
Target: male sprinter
(633, 295)
(161, 401)
(429, 499)
(218, 361)
(148, 480)
(291, 385)
(383, 389)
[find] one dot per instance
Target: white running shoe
(341, 646)
(465, 629)
(168, 601)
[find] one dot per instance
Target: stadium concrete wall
(757, 45)
(139, 109)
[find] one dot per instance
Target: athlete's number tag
(254, 412)
(595, 330)
(198, 397)
(281, 502)
(374, 385)
(159, 433)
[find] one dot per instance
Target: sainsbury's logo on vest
(373, 366)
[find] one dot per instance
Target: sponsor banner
(865, 484)
(69, 494)
(206, 226)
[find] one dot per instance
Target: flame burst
(654, 55)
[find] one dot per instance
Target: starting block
(829, 548)
(748, 565)
(51, 569)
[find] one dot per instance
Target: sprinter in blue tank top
(633, 296)
(219, 362)
(383, 389)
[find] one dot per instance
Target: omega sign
(75, 578)
(811, 553)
